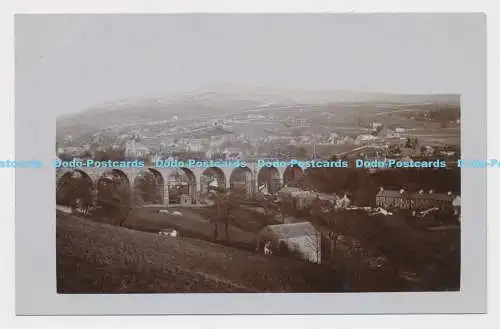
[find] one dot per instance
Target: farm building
(303, 199)
(302, 238)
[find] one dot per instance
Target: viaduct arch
(153, 185)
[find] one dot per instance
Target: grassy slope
(100, 258)
(192, 223)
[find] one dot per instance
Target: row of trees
(112, 197)
(101, 155)
(71, 189)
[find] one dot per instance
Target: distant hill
(206, 104)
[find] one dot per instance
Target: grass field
(408, 248)
(246, 218)
(192, 223)
(95, 257)
(100, 258)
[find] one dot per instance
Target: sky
(72, 62)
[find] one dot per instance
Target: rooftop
(291, 230)
(391, 193)
(433, 196)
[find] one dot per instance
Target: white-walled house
(302, 238)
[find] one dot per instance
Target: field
(96, 257)
(195, 223)
(100, 258)
(433, 256)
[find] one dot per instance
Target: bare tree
(313, 243)
(333, 234)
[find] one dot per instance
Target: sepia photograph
(248, 188)
(246, 154)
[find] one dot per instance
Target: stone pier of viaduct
(226, 177)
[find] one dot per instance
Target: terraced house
(431, 200)
(415, 201)
(393, 199)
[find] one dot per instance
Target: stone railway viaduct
(250, 177)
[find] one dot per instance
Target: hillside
(207, 104)
(100, 258)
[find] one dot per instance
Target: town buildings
(414, 201)
(232, 153)
(135, 149)
(364, 139)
